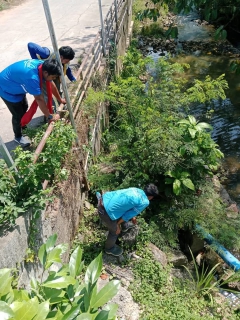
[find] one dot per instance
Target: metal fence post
(55, 47)
(116, 12)
(102, 28)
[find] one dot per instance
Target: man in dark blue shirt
(66, 55)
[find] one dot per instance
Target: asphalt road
(76, 23)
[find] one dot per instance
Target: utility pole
(55, 47)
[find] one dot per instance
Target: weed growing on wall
(22, 190)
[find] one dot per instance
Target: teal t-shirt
(125, 203)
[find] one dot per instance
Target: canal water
(226, 116)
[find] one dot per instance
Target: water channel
(226, 116)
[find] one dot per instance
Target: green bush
(65, 294)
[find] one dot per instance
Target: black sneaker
(126, 226)
(115, 251)
(23, 141)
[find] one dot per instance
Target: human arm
(118, 225)
(70, 75)
(42, 105)
(56, 93)
(34, 50)
(130, 214)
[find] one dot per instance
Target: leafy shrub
(22, 190)
(65, 294)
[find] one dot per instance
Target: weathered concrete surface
(61, 217)
(76, 23)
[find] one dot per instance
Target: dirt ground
(7, 4)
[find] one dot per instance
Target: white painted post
(55, 47)
(6, 155)
(102, 28)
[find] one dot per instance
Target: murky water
(226, 116)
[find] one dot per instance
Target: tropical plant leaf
(177, 186)
(75, 266)
(105, 294)
(43, 310)
(5, 281)
(188, 183)
(51, 242)
(85, 316)
(60, 282)
(71, 314)
(192, 120)
(5, 311)
(192, 132)
(42, 254)
(94, 270)
(25, 310)
(203, 125)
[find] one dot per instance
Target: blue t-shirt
(125, 203)
(20, 78)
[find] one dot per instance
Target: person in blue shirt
(118, 210)
(66, 55)
(23, 77)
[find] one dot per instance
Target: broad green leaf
(170, 174)
(55, 315)
(51, 242)
(112, 308)
(79, 290)
(62, 246)
(184, 121)
(86, 298)
(61, 282)
(85, 316)
(5, 281)
(42, 254)
(177, 187)
(34, 283)
(71, 314)
(203, 125)
(182, 151)
(55, 300)
(192, 120)
(188, 183)
(43, 310)
(5, 311)
(50, 293)
(185, 174)
(105, 294)
(75, 262)
(25, 310)
(103, 315)
(94, 270)
(192, 132)
(21, 295)
(53, 256)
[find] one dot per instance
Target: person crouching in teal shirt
(118, 210)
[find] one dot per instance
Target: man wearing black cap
(118, 210)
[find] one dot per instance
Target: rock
(232, 211)
(127, 308)
(177, 258)
(129, 237)
(87, 205)
(158, 255)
